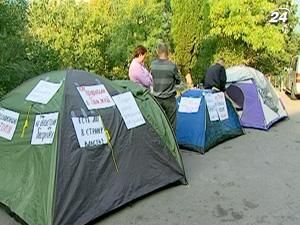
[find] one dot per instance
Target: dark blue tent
(195, 131)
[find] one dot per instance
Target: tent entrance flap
(236, 95)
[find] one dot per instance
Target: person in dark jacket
(215, 77)
(165, 77)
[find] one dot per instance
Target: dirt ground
(250, 180)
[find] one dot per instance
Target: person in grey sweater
(165, 76)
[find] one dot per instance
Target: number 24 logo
(278, 16)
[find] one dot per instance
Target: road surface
(250, 180)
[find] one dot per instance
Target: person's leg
(171, 110)
(169, 106)
(161, 101)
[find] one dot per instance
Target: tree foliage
(14, 66)
(21, 55)
(238, 31)
(139, 22)
(77, 32)
(190, 23)
(100, 35)
(246, 21)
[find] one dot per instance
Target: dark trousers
(169, 106)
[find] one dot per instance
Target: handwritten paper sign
(44, 129)
(129, 110)
(89, 131)
(43, 92)
(189, 105)
(8, 123)
(221, 105)
(216, 106)
(95, 96)
(211, 107)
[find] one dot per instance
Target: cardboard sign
(44, 129)
(43, 92)
(8, 123)
(89, 131)
(95, 96)
(221, 105)
(211, 107)
(189, 105)
(129, 110)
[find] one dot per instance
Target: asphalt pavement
(253, 179)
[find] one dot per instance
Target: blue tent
(195, 131)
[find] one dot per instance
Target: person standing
(215, 77)
(165, 77)
(137, 70)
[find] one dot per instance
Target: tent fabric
(252, 109)
(153, 113)
(61, 183)
(265, 88)
(195, 131)
(260, 103)
(27, 172)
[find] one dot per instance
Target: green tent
(62, 183)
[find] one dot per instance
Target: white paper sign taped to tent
(89, 131)
(8, 123)
(44, 129)
(129, 110)
(95, 96)
(189, 105)
(221, 105)
(43, 92)
(211, 107)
